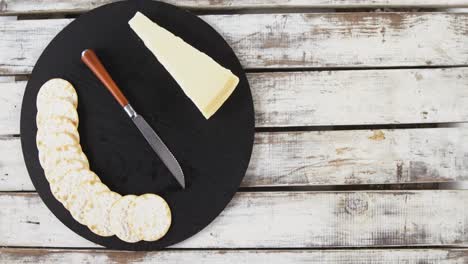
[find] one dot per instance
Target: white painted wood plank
(73, 6)
(360, 97)
(13, 172)
(330, 98)
(391, 256)
(7, 79)
(323, 158)
(23, 41)
(11, 96)
(293, 40)
(281, 220)
(5, 18)
(359, 157)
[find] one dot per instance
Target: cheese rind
(202, 79)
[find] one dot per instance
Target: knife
(92, 61)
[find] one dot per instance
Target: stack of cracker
(90, 202)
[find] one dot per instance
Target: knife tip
(181, 183)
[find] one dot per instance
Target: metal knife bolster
(130, 111)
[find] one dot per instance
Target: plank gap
(296, 10)
(18, 192)
(9, 137)
(334, 188)
(359, 127)
(361, 187)
(236, 249)
(76, 7)
(357, 68)
(254, 10)
(33, 16)
(328, 128)
(27, 76)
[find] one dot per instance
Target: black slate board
(214, 153)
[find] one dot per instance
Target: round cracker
(53, 156)
(118, 219)
(96, 214)
(53, 141)
(59, 124)
(81, 196)
(63, 187)
(55, 89)
(64, 167)
(57, 108)
(150, 217)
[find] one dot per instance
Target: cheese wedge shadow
(202, 79)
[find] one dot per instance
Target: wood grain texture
(293, 40)
(281, 219)
(11, 96)
(323, 158)
(329, 98)
(360, 97)
(13, 172)
(358, 157)
(74, 6)
(392, 256)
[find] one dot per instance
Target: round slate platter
(214, 153)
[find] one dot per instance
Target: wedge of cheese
(203, 80)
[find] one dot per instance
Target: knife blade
(157, 145)
(92, 61)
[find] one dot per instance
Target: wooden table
(356, 115)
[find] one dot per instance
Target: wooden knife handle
(92, 61)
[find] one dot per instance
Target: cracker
(53, 156)
(59, 124)
(55, 89)
(96, 214)
(64, 167)
(57, 108)
(63, 187)
(118, 219)
(83, 195)
(150, 217)
(53, 141)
